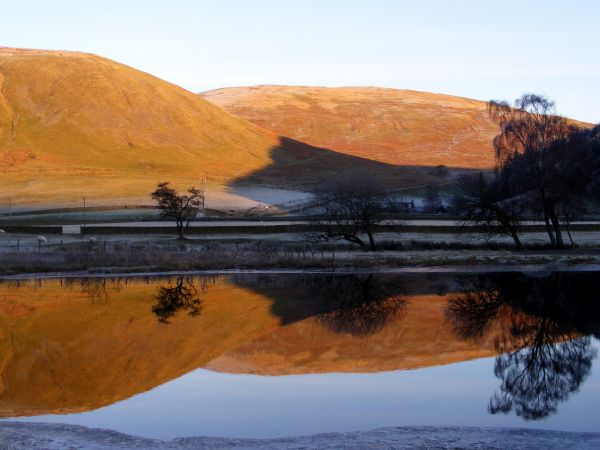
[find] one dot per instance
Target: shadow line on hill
(296, 165)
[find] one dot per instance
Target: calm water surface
(280, 355)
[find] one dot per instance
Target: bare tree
(489, 206)
(351, 208)
(524, 149)
(181, 207)
(576, 165)
(569, 212)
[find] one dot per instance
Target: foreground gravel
(17, 436)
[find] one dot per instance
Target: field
(267, 246)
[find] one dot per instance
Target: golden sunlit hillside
(392, 126)
(64, 113)
(77, 125)
(74, 124)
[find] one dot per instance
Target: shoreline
(22, 435)
(458, 268)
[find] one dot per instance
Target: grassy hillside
(400, 127)
(75, 124)
(78, 113)
(388, 125)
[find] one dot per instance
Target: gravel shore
(18, 435)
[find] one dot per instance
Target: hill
(399, 127)
(67, 117)
(75, 124)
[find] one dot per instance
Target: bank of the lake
(19, 436)
(253, 257)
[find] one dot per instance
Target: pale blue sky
(479, 49)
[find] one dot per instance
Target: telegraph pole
(84, 198)
(203, 189)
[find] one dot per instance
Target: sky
(478, 49)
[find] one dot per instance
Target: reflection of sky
(215, 404)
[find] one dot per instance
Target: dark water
(280, 355)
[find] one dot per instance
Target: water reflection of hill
(74, 346)
(60, 351)
(419, 338)
(353, 323)
(80, 345)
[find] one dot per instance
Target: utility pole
(203, 189)
(84, 198)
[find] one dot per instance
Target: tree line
(546, 167)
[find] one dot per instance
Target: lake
(270, 355)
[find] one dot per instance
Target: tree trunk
(508, 227)
(557, 231)
(570, 237)
(354, 239)
(371, 240)
(515, 237)
(180, 228)
(549, 228)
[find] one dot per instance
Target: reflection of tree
(540, 326)
(536, 379)
(474, 310)
(97, 290)
(357, 305)
(183, 296)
